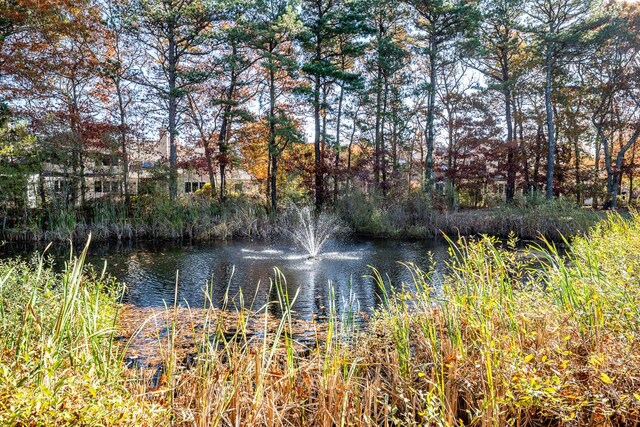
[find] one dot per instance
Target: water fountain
(311, 231)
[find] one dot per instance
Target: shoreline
(524, 224)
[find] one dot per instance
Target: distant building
(102, 172)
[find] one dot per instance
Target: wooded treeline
(466, 95)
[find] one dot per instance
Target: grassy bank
(411, 216)
(59, 360)
(511, 338)
(415, 216)
(194, 218)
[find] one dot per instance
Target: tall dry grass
(508, 337)
(59, 362)
(512, 337)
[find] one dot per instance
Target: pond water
(241, 271)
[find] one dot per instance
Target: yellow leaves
(605, 378)
(596, 360)
(528, 358)
(637, 396)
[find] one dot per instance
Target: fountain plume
(310, 231)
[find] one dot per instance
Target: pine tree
(441, 23)
(175, 34)
(558, 27)
(498, 43)
(325, 23)
(272, 27)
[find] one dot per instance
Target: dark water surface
(243, 270)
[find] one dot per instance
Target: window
(106, 186)
(60, 185)
(192, 187)
(109, 161)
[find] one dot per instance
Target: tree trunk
(596, 166)
(551, 132)
(274, 183)
(431, 112)
(223, 136)
(576, 149)
(632, 167)
(538, 159)
(630, 198)
(208, 154)
(376, 162)
(323, 140)
(76, 160)
(519, 124)
(511, 167)
(316, 145)
(451, 172)
(383, 148)
(272, 139)
(336, 164)
(123, 142)
(173, 117)
(618, 166)
(353, 135)
(615, 181)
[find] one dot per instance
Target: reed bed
(59, 360)
(508, 337)
(203, 219)
(194, 218)
(415, 216)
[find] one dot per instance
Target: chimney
(163, 143)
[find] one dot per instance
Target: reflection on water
(243, 270)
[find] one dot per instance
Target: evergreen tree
(273, 25)
(388, 57)
(441, 23)
(559, 28)
(614, 85)
(175, 34)
(498, 43)
(325, 22)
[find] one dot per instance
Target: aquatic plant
(60, 363)
(413, 215)
(510, 337)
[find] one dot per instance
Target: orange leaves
(253, 142)
(253, 148)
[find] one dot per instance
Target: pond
(240, 271)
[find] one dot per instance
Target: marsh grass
(513, 337)
(196, 218)
(58, 362)
(411, 215)
(508, 337)
(414, 215)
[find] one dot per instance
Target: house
(102, 172)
